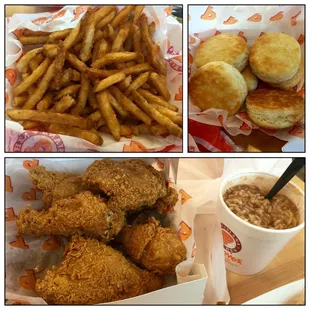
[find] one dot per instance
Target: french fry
(76, 63)
(129, 105)
(109, 33)
(116, 105)
(152, 28)
(36, 61)
(22, 65)
(122, 15)
(106, 20)
(59, 63)
(137, 12)
(174, 116)
(34, 40)
(95, 116)
(157, 116)
(88, 110)
(59, 35)
(121, 36)
(92, 100)
(50, 50)
(70, 90)
(109, 115)
(157, 82)
(104, 48)
(49, 117)
(107, 82)
(64, 104)
(77, 48)
(95, 51)
(35, 97)
(45, 103)
(88, 135)
(154, 130)
(31, 33)
(31, 79)
(116, 58)
(124, 84)
(31, 125)
(137, 83)
(137, 69)
(72, 37)
(67, 77)
(98, 74)
(136, 37)
(82, 96)
(19, 100)
(155, 99)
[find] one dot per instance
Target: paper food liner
(28, 258)
(248, 22)
(168, 36)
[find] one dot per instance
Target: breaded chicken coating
(166, 203)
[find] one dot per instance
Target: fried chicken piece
(166, 203)
(83, 213)
(130, 184)
(156, 248)
(93, 273)
(56, 185)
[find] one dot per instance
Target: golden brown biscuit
(224, 47)
(275, 108)
(218, 85)
(275, 57)
(295, 80)
(250, 78)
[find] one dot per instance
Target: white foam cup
(249, 248)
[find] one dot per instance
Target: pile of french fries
(104, 75)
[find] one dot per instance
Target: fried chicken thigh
(166, 203)
(130, 184)
(156, 248)
(56, 185)
(83, 213)
(93, 273)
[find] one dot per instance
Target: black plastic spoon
(288, 174)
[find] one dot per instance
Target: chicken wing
(93, 273)
(153, 247)
(83, 213)
(56, 185)
(130, 184)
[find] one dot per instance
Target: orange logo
(28, 281)
(179, 95)
(185, 231)
(255, 18)
(51, 244)
(59, 14)
(80, 10)
(184, 196)
(192, 40)
(230, 259)
(175, 62)
(30, 164)
(8, 184)
(209, 14)
(6, 97)
(278, 16)
(293, 19)
(231, 242)
(230, 21)
(241, 35)
(32, 195)
(19, 243)
(42, 145)
(301, 39)
(18, 32)
(297, 131)
(134, 146)
(160, 165)
(168, 10)
(11, 75)
(10, 215)
(40, 20)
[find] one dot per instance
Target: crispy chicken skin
(93, 273)
(56, 185)
(156, 248)
(164, 204)
(83, 213)
(130, 184)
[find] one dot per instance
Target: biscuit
(250, 78)
(218, 85)
(275, 108)
(295, 80)
(275, 57)
(224, 47)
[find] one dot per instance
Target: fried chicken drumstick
(130, 184)
(83, 213)
(156, 248)
(93, 273)
(56, 185)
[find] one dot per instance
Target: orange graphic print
(245, 126)
(19, 243)
(32, 195)
(185, 231)
(209, 14)
(230, 21)
(11, 75)
(59, 14)
(179, 95)
(190, 58)
(255, 18)
(43, 145)
(194, 250)
(80, 10)
(168, 10)
(297, 131)
(10, 215)
(6, 97)
(18, 32)
(8, 184)
(20, 302)
(293, 19)
(28, 281)
(192, 40)
(217, 33)
(40, 20)
(51, 244)
(160, 165)
(134, 146)
(301, 39)
(30, 164)
(241, 35)
(220, 119)
(184, 196)
(276, 17)
(227, 237)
